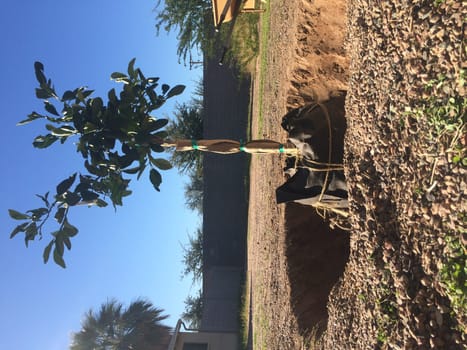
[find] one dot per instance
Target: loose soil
(293, 256)
(405, 191)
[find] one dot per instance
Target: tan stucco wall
(216, 341)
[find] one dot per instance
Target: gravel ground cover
(406, 108)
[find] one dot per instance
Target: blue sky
(133, 252)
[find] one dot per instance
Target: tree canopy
(113, 327)
(194, 191)
(188, 124)
(193, 310)
(192, 19)
(118, 139)
(193, 256)
(193, 262)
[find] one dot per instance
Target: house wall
(225, 205)
(215, 341)
(221, 299)
(225, 209)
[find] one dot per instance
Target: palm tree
(115, 328)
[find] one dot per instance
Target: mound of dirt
(320, 62)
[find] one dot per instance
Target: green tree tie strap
(194, 144)
(281, 149)
(242, 146)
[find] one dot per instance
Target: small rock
(439, 318)
(426, 281)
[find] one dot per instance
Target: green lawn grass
(264, 43)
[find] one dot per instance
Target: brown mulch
(407, 193)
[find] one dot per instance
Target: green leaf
(161, 163)
(156, 179)
(60, 214)
(72, 198)
(157, 148)
(83, 94)
(89, 196)
(95, 170)
(83, 186)
(43, 93)
(38, 213)
(63, 186)
(59, 246)
(17, 215)
(68, 95)
(101, 203)
(47, 250)
(89, 127)
(40, 77)
(131, 69)
(44, 141)
(161, 134)
(153, 80)
(158, 124)
(31, 117)
(62, 131)
(96, 105)
(18, 229)
(176, 90)
(131, 170)
(127, 149)
(58, 258)
(141, 75)
(126, 160)
(87, 93)
(31, 232)
(51, 108)
(67, 242)
(165, 88)
(69, 229)
(38, 65)
(112, 96)
(153, 97)
(25, 121)
(142, 168)
(118, 77)
(38, 70)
